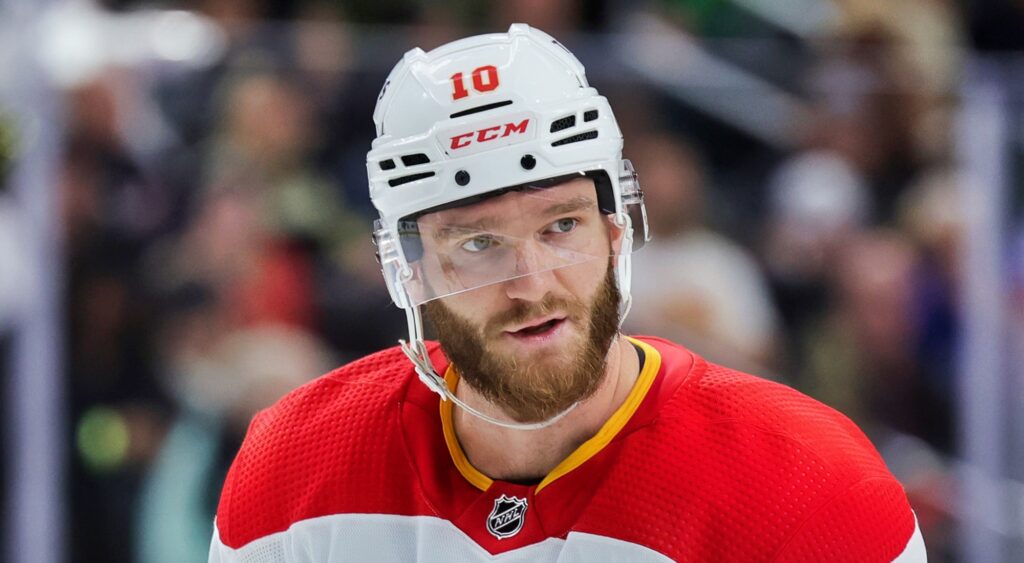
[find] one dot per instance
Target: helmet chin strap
(416, 349)
(623, 267)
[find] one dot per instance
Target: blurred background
(835, 190)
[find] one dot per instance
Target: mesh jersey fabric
(714, 465)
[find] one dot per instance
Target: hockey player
(539, 432)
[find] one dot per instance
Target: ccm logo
(489, 134)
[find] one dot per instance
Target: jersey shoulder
(325, 448)
(697, 395)
(743, 467)
(727, 399)
(831, 495)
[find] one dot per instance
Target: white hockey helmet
(481, 116)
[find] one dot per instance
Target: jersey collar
(611, 428)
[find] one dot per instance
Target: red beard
(532, 389)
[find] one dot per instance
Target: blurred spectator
(264, 148)
(931, 214)
(689, 282)
(105, 193)
(111, 212)
(884, 350)
(229, 250)
(866, 111)
(859, 157)
(274, 236)
(862, 355)
(236, 17)
(926, 46)
(220, 381)
(816, 200)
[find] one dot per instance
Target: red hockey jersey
(700, 463)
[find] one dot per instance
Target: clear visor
(515, 232)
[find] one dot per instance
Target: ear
(615, 234)
(437, 275)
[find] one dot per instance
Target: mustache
(523, 311)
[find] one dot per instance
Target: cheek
(475, 306)
(583, 281)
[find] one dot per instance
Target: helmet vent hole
(479, 109)
(387, 164)
(590, 115)
(563, 123)
(575, 138)
(414, 159)
(410, 178)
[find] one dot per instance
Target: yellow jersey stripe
(586, 450)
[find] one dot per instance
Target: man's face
(534, 344)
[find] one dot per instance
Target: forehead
(518, 204)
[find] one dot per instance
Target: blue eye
(564, 225)
(479, 243)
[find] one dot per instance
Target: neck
(515, 455)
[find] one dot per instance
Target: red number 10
(485, 79)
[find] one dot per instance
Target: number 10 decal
(485, 79)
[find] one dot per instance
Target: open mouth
(539, 329)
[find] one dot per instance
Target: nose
(534, 277)
(531, 287)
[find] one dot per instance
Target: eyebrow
(452, 231)
(577, 203)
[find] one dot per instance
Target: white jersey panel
(384, 537)
(914, 552)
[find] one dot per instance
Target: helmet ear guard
(630, 199)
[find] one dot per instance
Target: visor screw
(462, 177)
(528, 162)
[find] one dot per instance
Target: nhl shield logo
(507, 517)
